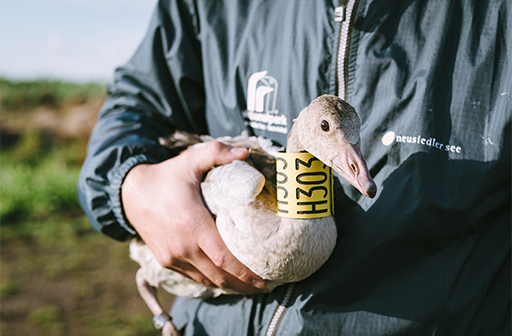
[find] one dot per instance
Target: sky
(72, 40)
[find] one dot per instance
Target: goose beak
(352, 167)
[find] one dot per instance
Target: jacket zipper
(344, 13)
(279, 313)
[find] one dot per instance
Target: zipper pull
(339, 14)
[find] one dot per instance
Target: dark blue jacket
(432, 83)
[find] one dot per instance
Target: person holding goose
(429, 254)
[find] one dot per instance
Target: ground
(85, 286)
(57, 275)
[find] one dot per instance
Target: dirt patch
(73, 119)
(59, 276)
(97, 296)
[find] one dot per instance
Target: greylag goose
(243, 195)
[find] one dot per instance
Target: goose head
(329, 129)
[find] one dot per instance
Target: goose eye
(324, 125)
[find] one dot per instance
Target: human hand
(164, 204)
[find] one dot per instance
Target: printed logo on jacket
(389, 137)
(261, 110)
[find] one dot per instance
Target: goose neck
(293, 144)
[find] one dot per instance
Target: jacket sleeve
(158, 90)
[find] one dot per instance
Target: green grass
(35, 183)
(48, 319)
(58, 276)
(25, 95)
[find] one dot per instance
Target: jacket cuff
(116, 182)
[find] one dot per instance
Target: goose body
(278, 249)
(242, 196)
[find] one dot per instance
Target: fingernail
(238, 151)
(258, 283)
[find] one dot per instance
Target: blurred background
(57, 275)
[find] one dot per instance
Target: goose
(242, 196)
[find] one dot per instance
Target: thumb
(217, 153)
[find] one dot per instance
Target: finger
(212, 258)
(189, 271)
(217, 252)
(197, 266)
(194, 263)
(215, 154)
(180, 261)
(222, 278)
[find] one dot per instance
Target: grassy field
(58, 276)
